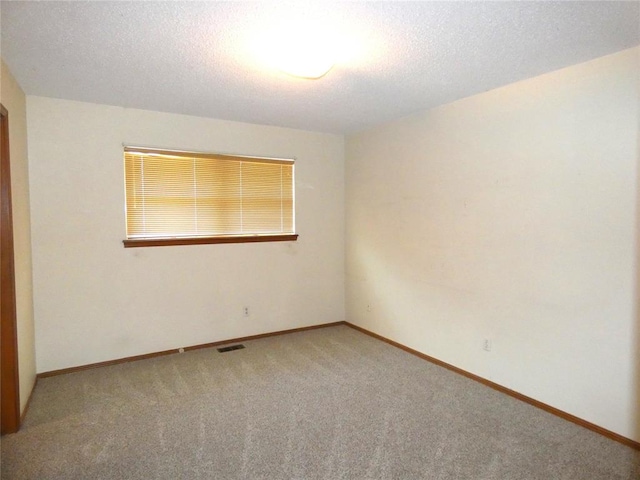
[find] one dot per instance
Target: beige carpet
(323, 404)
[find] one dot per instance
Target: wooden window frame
(160, 242)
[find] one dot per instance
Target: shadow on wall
(636, 334)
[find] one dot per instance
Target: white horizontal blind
(175, 194)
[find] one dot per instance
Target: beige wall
(510, 215)
(97, 301)
(13, 99)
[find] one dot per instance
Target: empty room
(320, 240)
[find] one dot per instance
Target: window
(180, 198)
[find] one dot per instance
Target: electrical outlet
(246, 311)
(486, 345)
(368, 307)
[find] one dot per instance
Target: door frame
(9, 378)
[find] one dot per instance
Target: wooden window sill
(163, 242)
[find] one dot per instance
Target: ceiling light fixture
(303, 50)
(306, 40)
(306, 55)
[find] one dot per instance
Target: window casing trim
(162, 242)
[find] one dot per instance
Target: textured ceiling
(398, 57)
